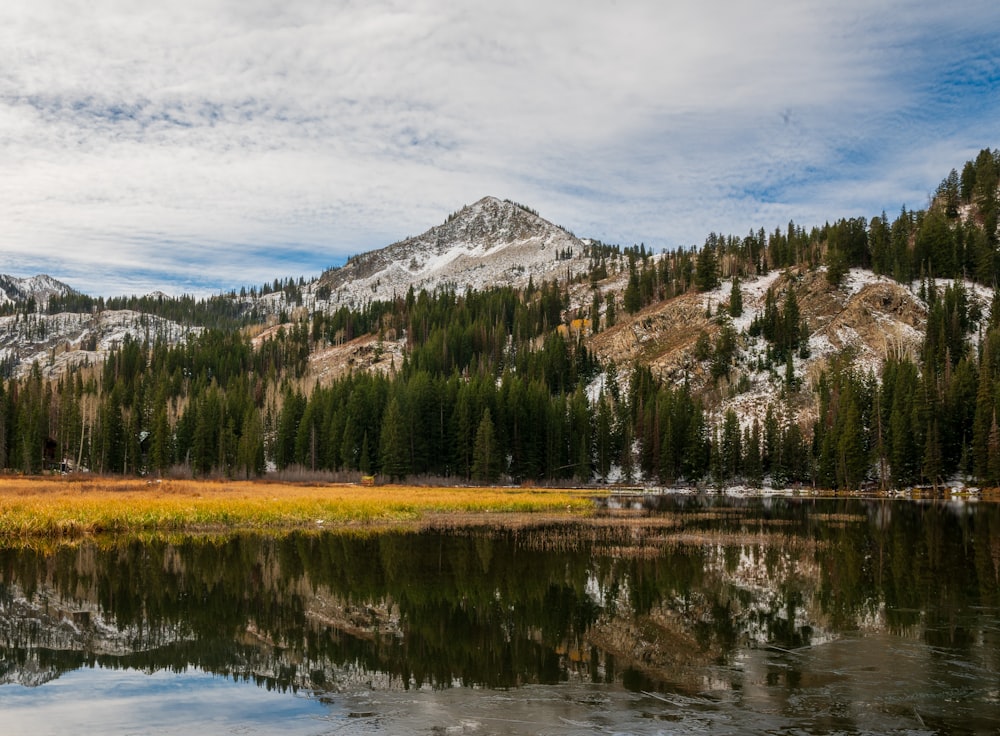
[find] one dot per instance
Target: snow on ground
(488, 243)
(857, 279)
(982, 294)
(464, 266)
(753, 292)
(40, 288)
(766, 388)
(596, 387)
(59, 341)
(752, 288)
(865, 359)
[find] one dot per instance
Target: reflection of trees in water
(665, 596)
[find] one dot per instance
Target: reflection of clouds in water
(696, 613)
(842, 685)
(110, 702)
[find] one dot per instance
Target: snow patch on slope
(60, 341)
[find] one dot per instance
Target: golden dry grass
(43, 507)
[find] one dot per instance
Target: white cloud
(179, 142)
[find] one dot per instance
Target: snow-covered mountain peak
(487, 243)
(490, 222)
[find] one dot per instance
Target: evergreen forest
(500, 385)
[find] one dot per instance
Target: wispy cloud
(98, 700)
(203, 145)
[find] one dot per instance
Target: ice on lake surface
(685, 615)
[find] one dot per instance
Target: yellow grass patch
(72, 507)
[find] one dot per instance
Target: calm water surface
(665, 615)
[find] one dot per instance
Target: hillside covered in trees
(632, 366)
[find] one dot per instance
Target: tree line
(483, 406)
(492, 385)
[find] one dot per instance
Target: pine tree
(695, 459)
(631, 299)
(604, 450)
(595, 313)
(462, 432)
(732, 451)
(707, 269)
(29, 431)
(853, 463)
(790, 328)
(112, 449)
(364, 462)
(349, 443)
(580, 434)
(627, 457)
(984, 417)
(668, 460)
(993, 454)
(4, 422)
(790, 382)
(735, 298)
(753, 463)
(771, 450)
(610, 318)
(308, 436)
(250, 450)
(486, 453)
(557, 460)
(879, 245)
(933, 463)
(716, 462)
(294, 406)
(161, 441)
(207, 438)
(836, 266)
(795, 455)
(394, 447)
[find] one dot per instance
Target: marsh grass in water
(42, 507)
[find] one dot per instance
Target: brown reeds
(68, 507)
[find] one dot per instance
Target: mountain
(29, 334)
(866, 319)
(857, 347)
(488, 243)
(39, 288)
(59, 341)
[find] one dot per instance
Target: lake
(664, 614)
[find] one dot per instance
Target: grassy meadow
(72, 507)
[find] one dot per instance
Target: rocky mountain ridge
(493, 243)
(488, 243)
(57, 342)
(863, 320)
(37, 289)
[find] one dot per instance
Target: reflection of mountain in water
(658, 598)
(43, 630)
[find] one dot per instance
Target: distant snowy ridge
(59, 341)
(41, 288)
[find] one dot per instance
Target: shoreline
(57, 507)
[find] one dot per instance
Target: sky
(195, 146)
